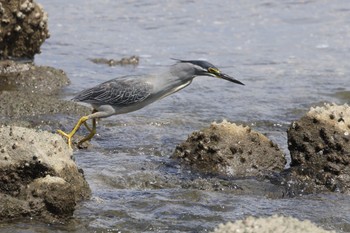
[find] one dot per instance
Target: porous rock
(275, 223)
(23, 28)
(37, 175)
(319, 144)
(226, 149)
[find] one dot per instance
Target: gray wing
(117, 92)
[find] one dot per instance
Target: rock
(37, 175)
(20, 105)
(319, 144)
(27, 77)
(133, 60)
(27, 95)
(226, 149)
(23, 28)
(38, 178)
(274, 224)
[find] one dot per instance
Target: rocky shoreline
(38, 177)
(318, 142)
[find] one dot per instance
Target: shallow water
(290, 54)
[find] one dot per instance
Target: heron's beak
(228, 78)
(217, 73)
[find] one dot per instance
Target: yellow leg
(92, 131)
(88, 127)
(69, 136)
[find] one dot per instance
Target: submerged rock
(133, 60)
(319, 144)
(23, 28)
(274, 224)
(37, 175)
(226, 149)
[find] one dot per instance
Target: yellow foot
(76, 127)
(81, 121)
(87, 138)
(68, 136)
(92, 132)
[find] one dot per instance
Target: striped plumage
(130, 93)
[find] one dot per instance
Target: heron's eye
(213, 70)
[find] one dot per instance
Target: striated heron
(130, 93)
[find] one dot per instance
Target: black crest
(201, 63)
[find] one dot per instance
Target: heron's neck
(181, 72)
(178, 78)
(171, 81)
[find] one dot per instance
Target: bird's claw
(81, 121)
(68, 136)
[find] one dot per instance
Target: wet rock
(26, 77)
(319, 144)
(39, 111)
(274, 224)
(27, 94)
(38, 178)
(133, 60)
(23, 28)
(226, 149)
(20, 105)
(37, 175)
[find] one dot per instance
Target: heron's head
(204, 68)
